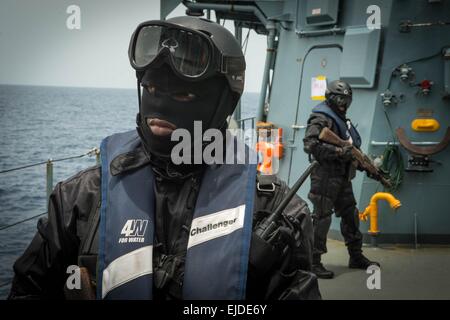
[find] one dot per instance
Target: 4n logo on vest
(133, 231)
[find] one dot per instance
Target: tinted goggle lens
(343, 101)
(190, 53)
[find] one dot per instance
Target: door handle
(298, 126)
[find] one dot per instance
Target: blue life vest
(218, 248)
(346, 130)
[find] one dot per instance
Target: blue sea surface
(39, 123)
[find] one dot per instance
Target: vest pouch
(263, 256)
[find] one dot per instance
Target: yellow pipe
(372, 210)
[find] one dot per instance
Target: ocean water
(38, 123)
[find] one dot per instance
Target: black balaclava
(340, 105)
(339, 97)
(210, 101)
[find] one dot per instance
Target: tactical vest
(345, 130)
(219, 241)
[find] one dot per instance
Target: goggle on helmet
(195, 48)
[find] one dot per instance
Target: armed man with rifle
(334, 142)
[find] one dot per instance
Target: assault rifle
(328, 136)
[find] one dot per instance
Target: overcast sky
(37, 48)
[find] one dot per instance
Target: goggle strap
(223, 64)
(139, 92)
(231, 64)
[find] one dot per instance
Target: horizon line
(82, 87)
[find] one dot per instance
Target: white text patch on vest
(216, 225)
(133, 231)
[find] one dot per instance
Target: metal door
(318, 61)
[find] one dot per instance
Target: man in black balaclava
(331, 187)
(169, 103)
(142, 227)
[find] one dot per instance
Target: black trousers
(330, 192)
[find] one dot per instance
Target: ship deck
(406, 273)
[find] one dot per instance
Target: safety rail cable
(21, 221)
(89, 153)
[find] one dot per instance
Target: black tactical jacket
(69, 236)
(329, 156)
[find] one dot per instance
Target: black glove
(373, 176)
(346, 153)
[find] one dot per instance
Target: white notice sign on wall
(318, 87)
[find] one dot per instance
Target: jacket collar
(139, 158)
(129, 161)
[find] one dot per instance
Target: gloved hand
(372, 176)
(345, 153)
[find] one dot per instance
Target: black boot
(359, 261)
(319, 270)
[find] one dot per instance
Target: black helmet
(339, 95)
(195, 47)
